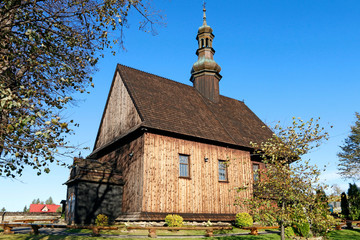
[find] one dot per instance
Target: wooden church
(165, 147)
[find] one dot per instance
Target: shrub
(302, 229)
(289, 232)
(174, 220)
(243, 220)
(102, 220)
(208, 223)
(321, 226)
(344, 205)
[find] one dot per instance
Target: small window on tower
(184, 166)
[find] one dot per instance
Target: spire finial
(204, 10)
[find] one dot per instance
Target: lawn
(334, 235)
(345, 234)
(158, 232)
(58, 237)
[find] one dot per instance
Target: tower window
(207, 42)
(202, 43)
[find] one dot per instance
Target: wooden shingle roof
(89, 170)
(174, 107)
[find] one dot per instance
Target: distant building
(335, 207)
(165, 147)
(43, 208)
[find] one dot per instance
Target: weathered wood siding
(164, 191)
(132, 172)
(93, 199)
(119, 115)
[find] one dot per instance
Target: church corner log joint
(164, 147)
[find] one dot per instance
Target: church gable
(120, 114)
(177, 108)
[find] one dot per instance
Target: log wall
(164, 191)
(119, 115)
(129, 159)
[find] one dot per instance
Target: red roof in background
(43, 207)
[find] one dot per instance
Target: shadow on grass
(356, 230)
(48, 237)
(250, 237)
(77, 231)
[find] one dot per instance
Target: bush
(321, 226)
(102, 220)
(302, 229)
(243, 220)
(289, 232)
(174, 220)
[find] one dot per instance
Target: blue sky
(283, 58)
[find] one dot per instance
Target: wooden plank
(132, 173)
(36, 220)
(146, 170)
(181, 228)
(203, 193)
(119, 114)
(175, 166)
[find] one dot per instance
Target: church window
(223, 176)
(255, 172)
(184, 166)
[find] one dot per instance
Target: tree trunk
(282, 222)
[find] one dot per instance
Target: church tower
(205, 73)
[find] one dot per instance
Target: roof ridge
(155, 75)
(243, 101)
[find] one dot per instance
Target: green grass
(334, 235)
(58, 237)
(46, 237)
(123, 231)
(345, 234)
(165, 233)
(86, 231)
(250, 237)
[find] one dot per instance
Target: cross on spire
(205, 73)
(204, 17)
